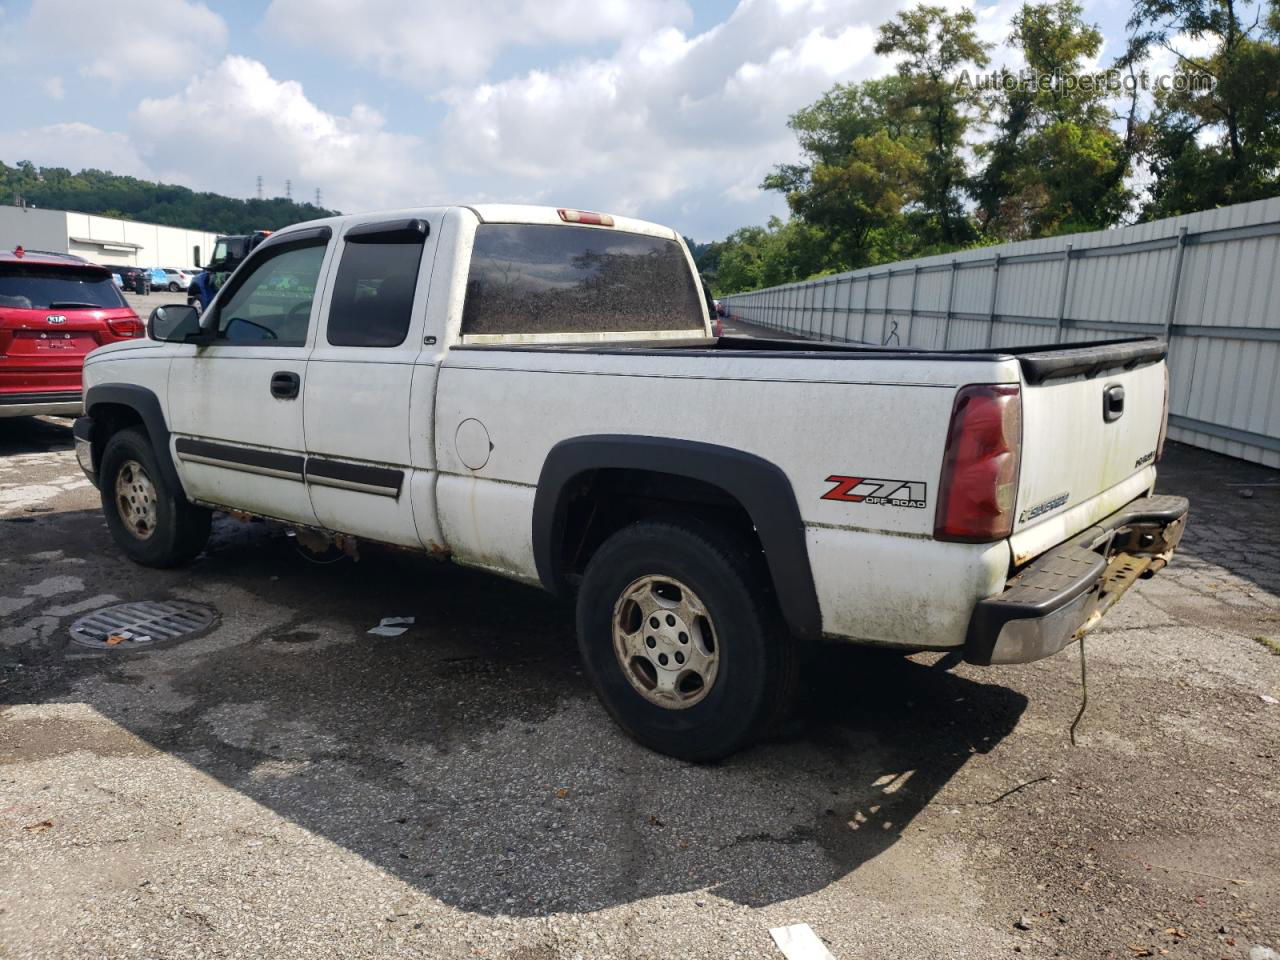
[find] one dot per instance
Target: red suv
(54, 309)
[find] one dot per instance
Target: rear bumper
(1061, 595)
(51, 403)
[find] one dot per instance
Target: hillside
(104, 193)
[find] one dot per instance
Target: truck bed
(1039, 363)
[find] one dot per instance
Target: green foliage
(1214, 138)
(103, 193)
(864, 195)
(1055, 159)
(883, 166)
(866, 167)
(753, 257)
(926, 160)
(933, 46)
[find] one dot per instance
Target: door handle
(1113, 403)
(285, 384)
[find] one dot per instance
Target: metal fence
(1208, 282)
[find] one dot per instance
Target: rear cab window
(372, 302)
(53, 287)
(531, 282)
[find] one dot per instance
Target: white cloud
(53, 88)
(75, 146)
(627, 109)
(669, 124)
(418, 43)
(238, 122)
(125, 41)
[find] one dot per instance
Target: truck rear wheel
(152, 523)
(680, 638)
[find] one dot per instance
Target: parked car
(526, 390)
(176, 280)
(157, 278)
(128, 276)
(54, 309)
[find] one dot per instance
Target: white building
(104, 239)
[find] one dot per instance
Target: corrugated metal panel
(1218, 287)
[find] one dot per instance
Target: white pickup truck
(537, 392)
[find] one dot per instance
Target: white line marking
(799, 942)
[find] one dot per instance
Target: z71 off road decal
(884, 493)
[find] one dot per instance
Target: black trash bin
(142, 284)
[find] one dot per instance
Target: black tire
(178, 529)
(758, 663)
(174, 288)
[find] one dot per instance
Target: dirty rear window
(543, 278)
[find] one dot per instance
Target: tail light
(125, 326)
(1164, 419)
(980, 466)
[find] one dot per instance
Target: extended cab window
(273, 303)
(373, 294)
(547, 279)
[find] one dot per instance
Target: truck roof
(500, 213)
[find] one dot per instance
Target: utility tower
(259, 186)
(288, 189)
(318, 204)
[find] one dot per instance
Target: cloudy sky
(671, 110)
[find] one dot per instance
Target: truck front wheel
(152, 523)
(680, 638)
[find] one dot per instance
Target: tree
(863, 167)
(933, 45)
(1215, 131)
(1055, 164)
(862, 199)
(754, 257)
(100, 192)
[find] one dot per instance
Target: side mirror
(174, 323)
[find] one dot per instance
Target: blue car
(158, 278)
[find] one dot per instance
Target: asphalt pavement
(287, 785)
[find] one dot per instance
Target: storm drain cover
(131, 626)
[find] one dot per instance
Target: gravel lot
(288, 786)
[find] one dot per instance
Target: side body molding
(760, 486)
(147, 406)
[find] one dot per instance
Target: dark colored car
(129, 277)
(54, 309)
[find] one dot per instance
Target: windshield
(36, 287)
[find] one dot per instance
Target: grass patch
(1270, 643)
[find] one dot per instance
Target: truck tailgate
(1091, 422)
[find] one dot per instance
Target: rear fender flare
(758, 485)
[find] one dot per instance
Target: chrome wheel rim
(136, 500)
(665, 642)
